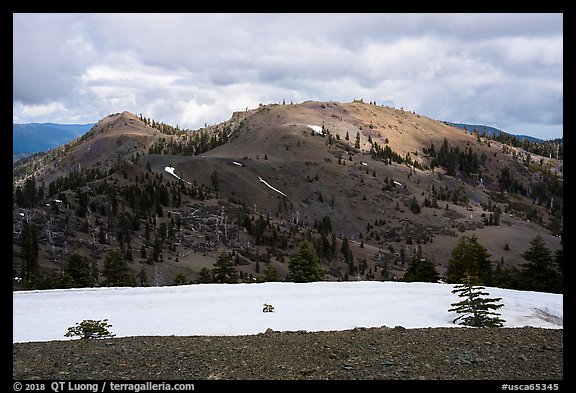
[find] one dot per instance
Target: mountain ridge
(492, 131)
(78, 129)
(392, 182)
(30, 138)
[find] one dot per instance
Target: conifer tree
(180, 279)
(270, 273)
(29, 253)
(475, 309)
(385, 272)
(348, 256)
(142, 278)
(422, 270)
(414, 206)
(469, 256)
(224, 271)
(204, 276)
(304, 265)
(116, 271)
(215, 179)
(345, 247)
(539, 272)
(79, 270)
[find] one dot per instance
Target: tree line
(541, 270)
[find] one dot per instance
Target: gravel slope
(375, 353)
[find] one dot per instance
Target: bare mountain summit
(392, 184)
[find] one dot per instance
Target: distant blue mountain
(490, 131)
(38, 137)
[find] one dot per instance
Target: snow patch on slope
(269, 186)
(317, 129)
(170, 170)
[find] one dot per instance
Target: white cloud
(191, 112)
(193, 69)
(547, 51)
(133, 74)
(42, 110)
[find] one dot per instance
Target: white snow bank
(236, 309)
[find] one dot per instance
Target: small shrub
(90, 328)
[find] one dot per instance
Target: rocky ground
(359, 354)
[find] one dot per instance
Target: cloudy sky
(502, 70)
